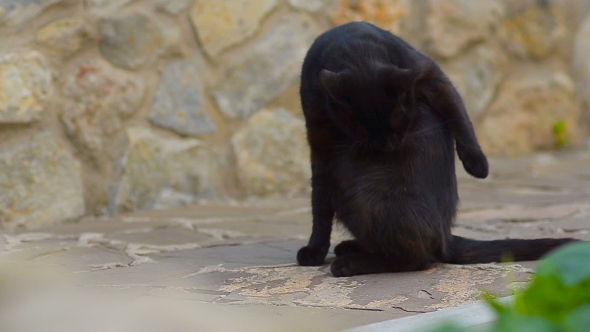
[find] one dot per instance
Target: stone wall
(109, 106)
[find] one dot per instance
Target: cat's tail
(468, 251)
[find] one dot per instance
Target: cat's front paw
(310, 256)
(474, 161)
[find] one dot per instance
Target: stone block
(40, 183)
(581, 62)
(153, 165)
(174, 7)
(178, 101)
(65, 37)
(267, 69)
(94, 101)
(309, 5)
(534, 31)
(99, 4)
(19, 12)
(272, 154)
(25, 86)
(134, 40)
(222, 24)
(531, 112)
(386, 14)
(477, 75)
(453, 25)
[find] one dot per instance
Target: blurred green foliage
(560, 131)
(557, 299)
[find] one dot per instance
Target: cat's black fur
(382, 123)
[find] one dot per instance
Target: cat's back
(352, 43)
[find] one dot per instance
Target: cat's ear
(397, 79)
(334, 84)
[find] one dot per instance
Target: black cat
(381, 121)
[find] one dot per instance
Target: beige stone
(576, 11)
(581, 62)
(25, 87)
(177, 104)
(221, 24)
(65, 37)
(386, 14)
(534, 31)
(40, 183)
(19, 12)
(452, 25)
(309, 5)
(107, 3)
(135, 40)
(174, 7)
(528, 111)
(267, 69)
(153, 167)
(94, 101)
(477, 75)
(272, 154)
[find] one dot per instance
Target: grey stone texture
(272, 154)
(19, 12)
(93, 103)
(221, 25)
(309, 5)
(152, 167)
(527, 109)
(65, 37)
(477, 75)
(266, 70)
(174, 7)
(99, 4)
(135, 40)
(533, 32)
(178, 103)
(453, 25)
(25, 86)
(581, 62)
(40, 183)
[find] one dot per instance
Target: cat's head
(370, 104)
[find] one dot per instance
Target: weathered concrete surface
(195, 266)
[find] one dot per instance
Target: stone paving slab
(238, 259)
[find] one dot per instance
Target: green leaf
(571, 264)
(557, 299)
(548, 297)
(511, 322)
(562, 283)
(578, 320)
(447, 328)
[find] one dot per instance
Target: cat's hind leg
(367, 263)
(445, 100)
(347, 247)
(401, 237)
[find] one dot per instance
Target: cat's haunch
(383, 124)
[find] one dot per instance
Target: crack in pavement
(412, 311)
(492, 267)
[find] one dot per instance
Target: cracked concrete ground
(223, 267)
